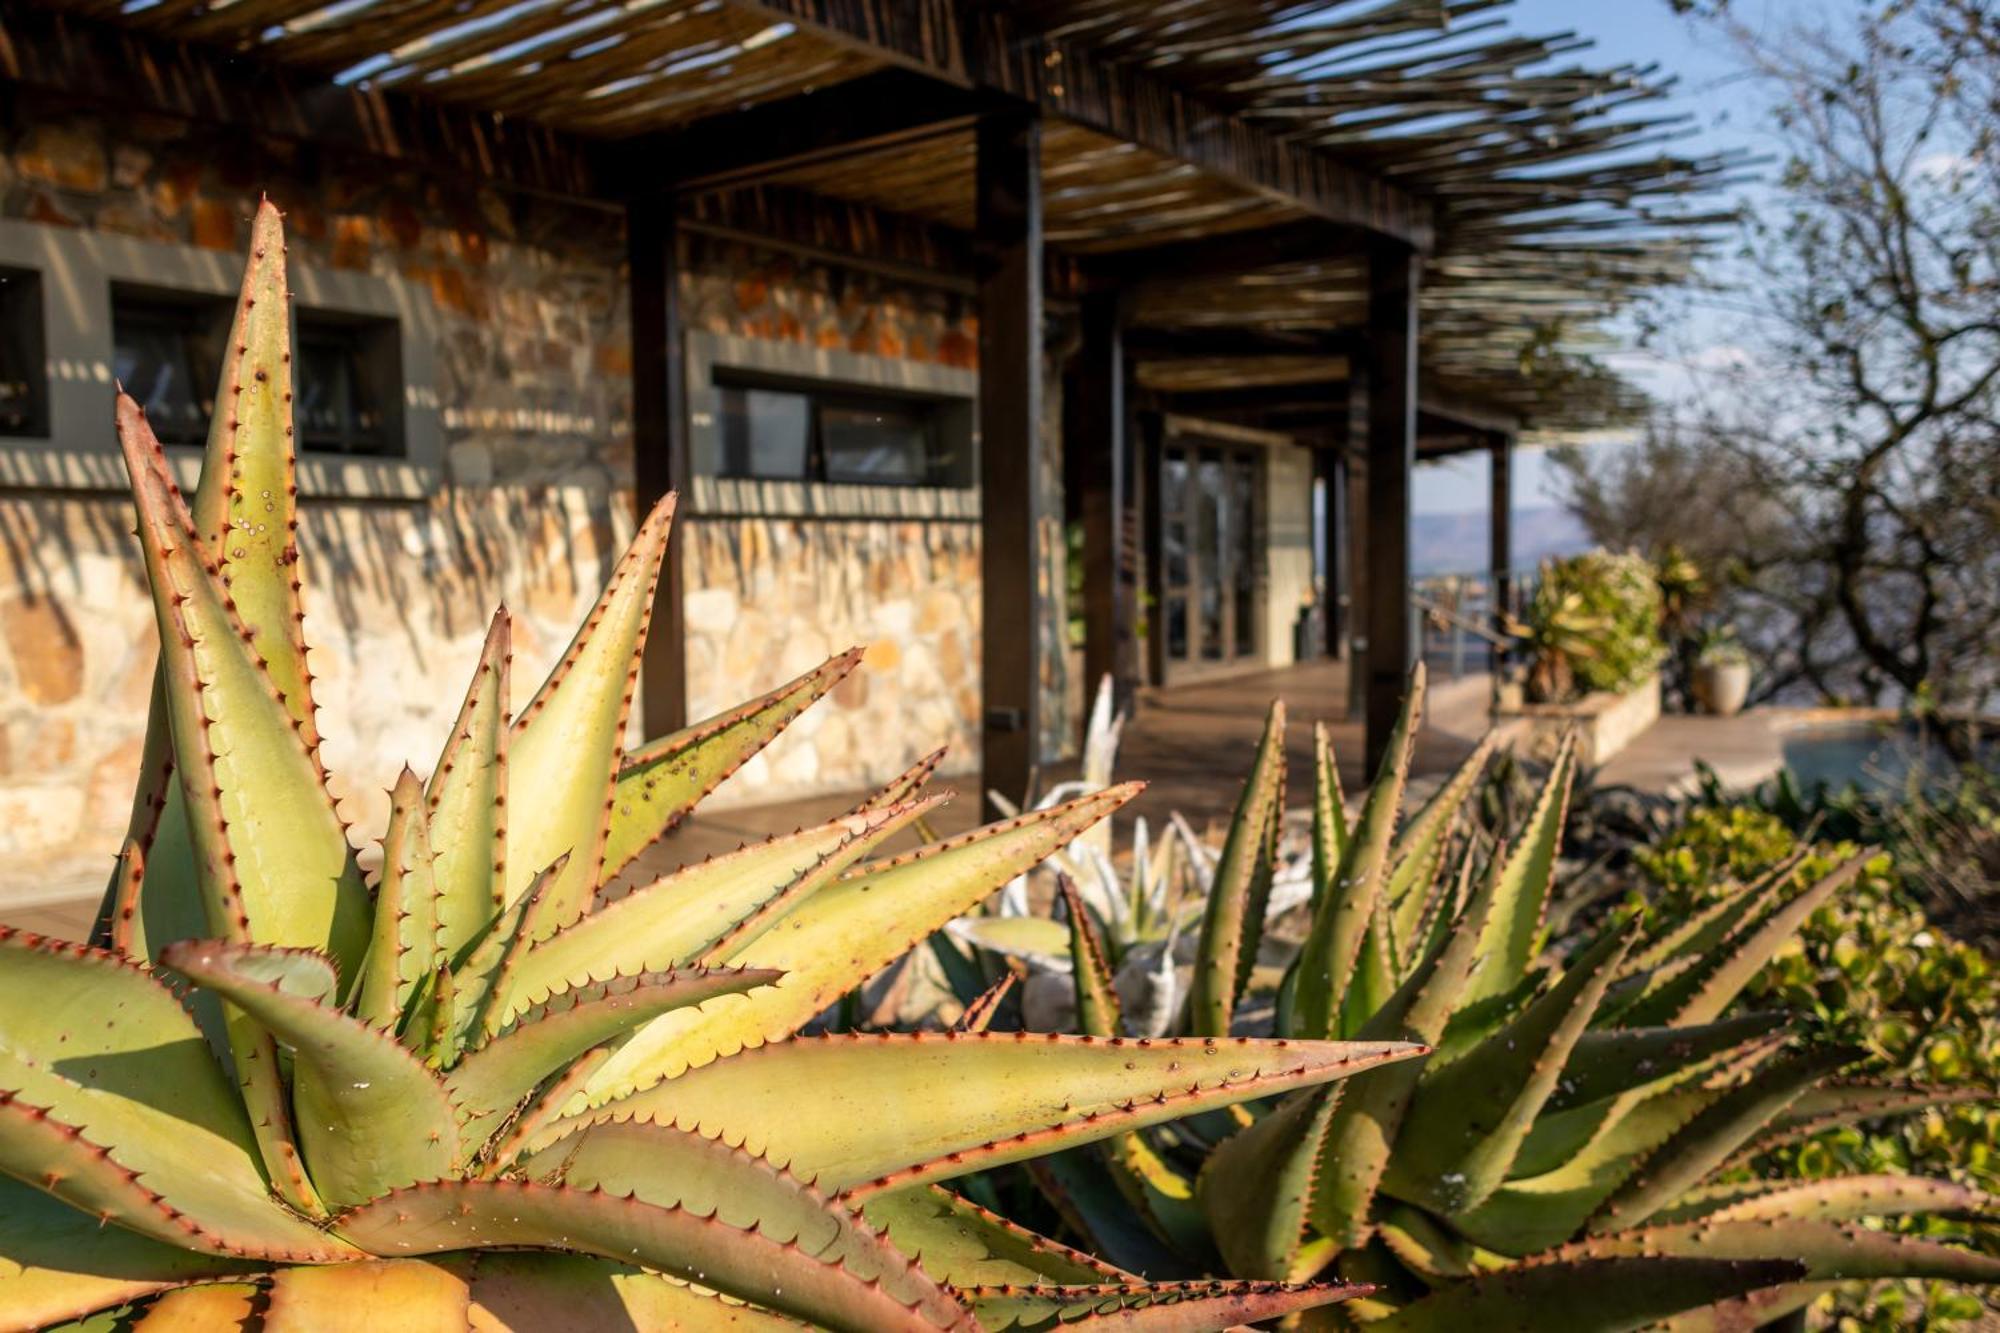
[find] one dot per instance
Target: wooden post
(659, 441)
(1150, 431)
(1360, 576)
(1501, 555)
(1008, 245)
(1095, 441)
(1393, 271)
(1327, 469)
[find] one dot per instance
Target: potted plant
(1721, 678)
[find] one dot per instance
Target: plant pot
(1721, 687)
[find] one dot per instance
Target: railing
(1453, 618)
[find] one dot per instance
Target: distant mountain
(1456, 543)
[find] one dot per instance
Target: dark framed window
(794, 432)
(24, 362)
(348, 385)
(167, 353)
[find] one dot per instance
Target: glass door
(1209, 515)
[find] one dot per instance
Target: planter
(1604, 723)
(1721, 687)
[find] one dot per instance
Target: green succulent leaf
(1258, 1187)
(1839, 1102)
(1097, 1008)
(731, 1257)
(349, 1080)
(1828, 1250)
(985, 1006)
(1167, 1307)
(1610, 1295)
(964, 1245)
(1842, 1199)
(905, 786)
(1512, 936)
(661, 782)
(466, 801)
(1418, 851)
(403, 947)
(1329, 816)
(529, 1292)
(1606, 1063)
(1233, 922)
(566, 745)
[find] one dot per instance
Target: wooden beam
(856, 236)
(873, 113)
(1468, 414)
(1211, 343)
(659, 443)
(1306, 240)
(113, 67)
(1393, 274)
(986, 46)
(1500, 555)
(1008, 250)
(1095, 436)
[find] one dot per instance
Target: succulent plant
(479, 1092)
(1568, 1156)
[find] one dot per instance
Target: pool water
(1877, 757)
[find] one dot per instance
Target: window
(347, 381)
(167, 353)
(24, 374)
(783, 433)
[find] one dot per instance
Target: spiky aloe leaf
(902, 1109)
(529, 1292)
(846, 933)
(539, 1041)
(1513, 933)
(1707, 1140)
(1700, 994)
(1702, 930)
(566, 744)
(772, 1270)
(660, 783)
(1165, 1307)
(403, 947)
(1079, 1188)
(1354, 1148)
(204, 1309)
(1829, 1251)
(349, 1080)
(486, 975)
(1233, 923)
(1096, 992)
(59, 1263)
(390, 1295)
(1329, 816)
(1257, 1187)
(1605, 1063)
(1418, 850)
(95, 1051)
(1032, 939)
(1347, 910)
(1846, 1102)
(683, 916)
(1741, 1314)
(1160, 1191)
(1598, 1295)
(979, 1014)
(1841, 1199)
(123, 929)
(1429, 1250)
(1467, 1120)
(960, 1243)
(905, 786)
(466, 801)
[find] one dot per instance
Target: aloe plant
(1571, 1153)
(476, 1091)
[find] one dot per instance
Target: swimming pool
(1874, 755)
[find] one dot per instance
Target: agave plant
(477, 1092)
(1568, 1156)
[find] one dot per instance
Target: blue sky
(1727, 113)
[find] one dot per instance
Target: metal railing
(1453, 619)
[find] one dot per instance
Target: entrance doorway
(1210, 515)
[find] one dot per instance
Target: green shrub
(1592, 625)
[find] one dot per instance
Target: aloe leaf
(964, 1245)
(403, 947)
(1602, 1295)
(466, 801)
(1841, 1199)
(1347, 910)
(107, 1055)
(565, 746)
(348, 1080)
(204, 1309)
(59, 1263)
(1701, 931)
(525, 1291)
(491, 1080)
(1233, 923)
(1032, 939)
(1758, 1309)
(902, 1109)
(390, 1295)
(682, 916)
(122, 929)
(979, 1014)
(1707, 1141)
(1846, 1102)
(905, 786)
(1427, 1249)
(1257, 1187)
(486, 975)
(1163, 1194)
(1329, 816)
(1097, 1009)
(1607, 1062)
(847, 932)
(661, 782)
(1513, 934)
(1077, 1185)
(724, 1255)
(1828, 1251)
(1467, 1119)
(1419, 849)
(1163, 1307)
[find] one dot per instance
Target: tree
(1862, 421)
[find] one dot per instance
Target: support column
(1008, 242)
(1327, 471)
(659, 441)
(1392, 453)
(1096, 441)
(1149, 430)
(1501, 556)
(1360, 577)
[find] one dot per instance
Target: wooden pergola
(1387, 228)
